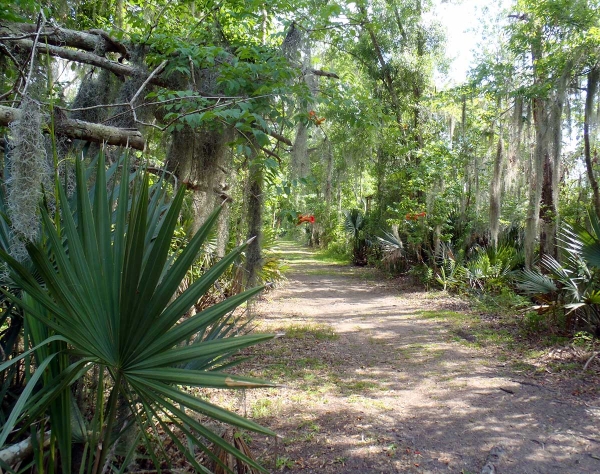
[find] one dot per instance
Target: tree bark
(254, 217)
(552, 138)
(88, 58)
(97, 41)
(466, 194)
(495, 192)
(78, 129)
(535, 193)
(197, 158)
(547, 119)
(592, 87)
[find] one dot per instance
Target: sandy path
(393, 392)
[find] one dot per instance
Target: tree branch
(81, 130)
(32, 61)
(319, 72)
(277, 136)
(272, 154)
(94, 40)
(88, 58)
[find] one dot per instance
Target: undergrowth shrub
(568, 292)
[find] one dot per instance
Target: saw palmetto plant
(354, 224)
(98, 298)
(573, 283)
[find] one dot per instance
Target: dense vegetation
(154, 151)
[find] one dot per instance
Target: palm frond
(535, 283)
(108, 282)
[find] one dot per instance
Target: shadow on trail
(418, 443)
(393, 393)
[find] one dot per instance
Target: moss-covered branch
(81, 130)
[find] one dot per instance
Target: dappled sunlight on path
(371, 385)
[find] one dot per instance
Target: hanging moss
(97, 88)
(198, 159)
(300, 162)
(28, 173)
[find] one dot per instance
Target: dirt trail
(373, 386)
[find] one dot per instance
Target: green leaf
(23, 399)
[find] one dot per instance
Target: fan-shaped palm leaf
(534, 283)
(353, 222)
(108, 284)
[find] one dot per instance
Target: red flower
(305, 218)
(413, 216)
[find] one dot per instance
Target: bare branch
(270, 153)
(32, 60)
(88, 58)
(319, 72)
(15, 87)
(93, 40)
(158, 70)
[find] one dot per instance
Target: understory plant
(486, 270)
(354, 224)
(569, 289)
(394, 254)
(99, 309)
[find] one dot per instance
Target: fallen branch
(589, 361)
(78, 129)
(20, 451)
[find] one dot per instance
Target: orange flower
(414, 216)
(305, 218)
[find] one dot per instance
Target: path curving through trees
(380, 379)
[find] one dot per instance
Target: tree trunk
(224, 191)
(537, 168)
(197, 159)
(300, 161)
(254, 216)
(547, 118)
(592, 87)
(495, 192)
(466, 194)
(552, 138)
(385, 69)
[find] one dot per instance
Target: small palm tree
(354, 223)
(106, 309)
(574, 283)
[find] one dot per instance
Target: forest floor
(378, 376)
